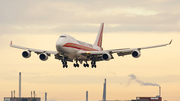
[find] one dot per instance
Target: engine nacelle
(136, 53)
(106, 56)
(26, 54)
(43, 56)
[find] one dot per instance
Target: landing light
(87, 52)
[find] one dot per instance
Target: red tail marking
(100, 37)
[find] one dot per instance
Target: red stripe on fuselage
(77, 46)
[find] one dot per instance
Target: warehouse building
(22, 99)
(149, 98)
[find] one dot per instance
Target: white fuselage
(69, 46)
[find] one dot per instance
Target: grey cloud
(23, 16)
(78, 28)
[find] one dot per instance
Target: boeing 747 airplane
(69, 49)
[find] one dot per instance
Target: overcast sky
(57, 16)
(128, 24)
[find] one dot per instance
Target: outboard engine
(43, 56)
(136, 53)
(26, 54)
(106, 56)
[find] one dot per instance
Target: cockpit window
(62, 36)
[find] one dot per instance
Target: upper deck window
(62, 36)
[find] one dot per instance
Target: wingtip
(170, 42)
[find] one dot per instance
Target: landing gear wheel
(74, 65)
(65, 66)
(84, 65)
(77, 65)
(94, 66)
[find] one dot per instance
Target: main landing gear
(93, 64)
(76, 64)
(86, 64)
(64, 63)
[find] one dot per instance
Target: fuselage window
(62, 36)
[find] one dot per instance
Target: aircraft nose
(59, 44)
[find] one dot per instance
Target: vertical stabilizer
(98, 41)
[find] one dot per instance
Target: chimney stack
(14, 93)
(34, 94)
(19, 84)
(11, 94)
(45, 96)
(104, 90)
(159, 91)
(86, 95)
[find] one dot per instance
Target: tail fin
(98, 41)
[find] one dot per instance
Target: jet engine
(106, 56)
(26, 54)
(136, 53)
(43, 56)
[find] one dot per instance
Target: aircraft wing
(120, 52)
(33, 50)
